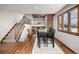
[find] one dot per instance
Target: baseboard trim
(65, 45)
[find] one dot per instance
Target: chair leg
(53, 42)
(53, 45)
(44, 41)
(47, 41)
(38, 43)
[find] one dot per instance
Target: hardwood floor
(64, 48)
(26, 47)
(17, 48)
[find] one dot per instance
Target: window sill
(76, 34)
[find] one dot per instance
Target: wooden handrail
(20, 32)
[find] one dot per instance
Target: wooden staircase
(15, 32)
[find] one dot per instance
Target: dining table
(44, 36)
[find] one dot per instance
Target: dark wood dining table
(44, 36)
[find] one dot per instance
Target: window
(60, 23)
(68, 21)
(65, 21)
(73, 23)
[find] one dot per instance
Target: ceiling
(33, 8)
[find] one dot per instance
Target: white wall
(7, 20)
(24, 34)
(71, 41)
